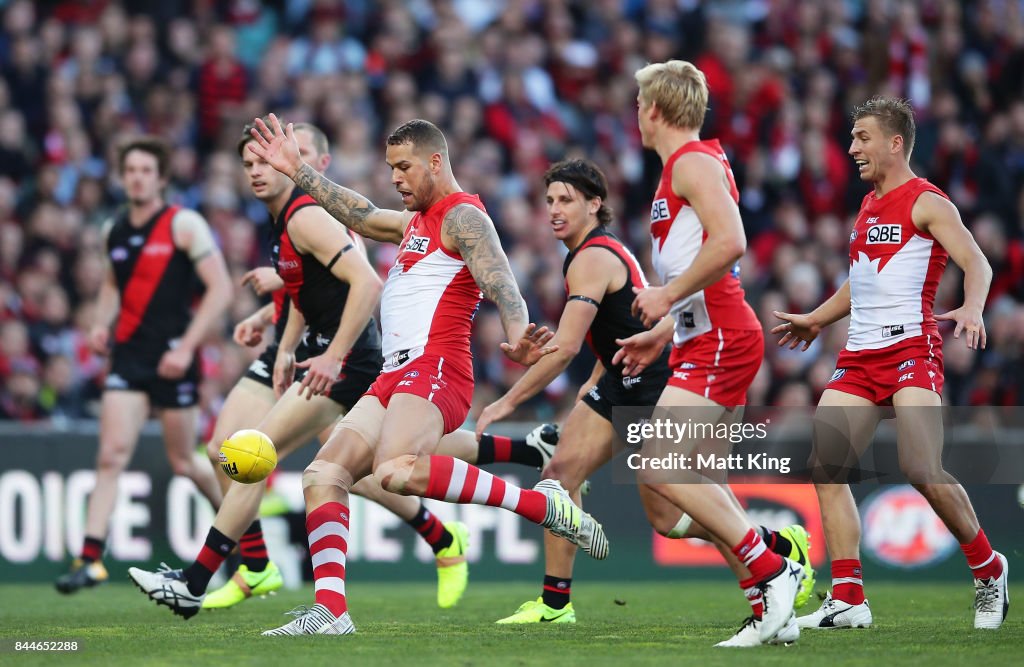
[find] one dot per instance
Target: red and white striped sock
(762, 562)
(327, 527)
(755, 596)
(455, 481)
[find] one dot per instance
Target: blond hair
(679, 90)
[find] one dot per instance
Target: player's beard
(422, 195)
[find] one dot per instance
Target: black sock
(776, 542)
(198, 574)
(253, 548)
(431, 529)
(502, 449)
(92, 549)
(556, 591)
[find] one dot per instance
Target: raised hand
(276, 146)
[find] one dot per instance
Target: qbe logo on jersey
(885, 234)
(418, 244)
(659, 210)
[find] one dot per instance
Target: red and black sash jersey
(314, 290)
(614, 318)
(156, 280)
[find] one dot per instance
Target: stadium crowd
(515, 85)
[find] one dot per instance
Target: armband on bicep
(334, 260)
(584, 299)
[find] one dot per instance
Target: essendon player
(448, 253)
(697, 238)
(158, 257)
(902, 237)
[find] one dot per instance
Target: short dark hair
(147, 143)
(587, 178)
(419, 133)
(319, 138)
(894, 115)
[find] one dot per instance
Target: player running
(449, 252)
(717, 348)
(158, 256)
(903, 235)
(600, 277)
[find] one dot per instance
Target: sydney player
(902, 237)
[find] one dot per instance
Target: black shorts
(362, 366)
(133, 372)
(613, 390)
(261, 370)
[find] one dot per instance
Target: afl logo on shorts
(838, 375)
(902, 530)
(905, 365)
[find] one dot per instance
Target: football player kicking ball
(601, 275)
(333, 290)
(448, 253)
(902, 237)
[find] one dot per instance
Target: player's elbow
(733, 248)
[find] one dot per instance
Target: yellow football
(248, 456)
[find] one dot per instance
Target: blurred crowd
(515, 84)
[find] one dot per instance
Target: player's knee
(113, 456)
(394, 474)
(668, 522)
(213, 450)
(920, 473)
(321, 473)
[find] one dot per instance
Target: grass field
(398, 624)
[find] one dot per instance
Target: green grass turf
(668, 623)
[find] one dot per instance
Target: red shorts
(878, 374)
(430, 377)
(719, 365)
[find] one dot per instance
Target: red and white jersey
(430, 297)
(677, 236)
(894, 270)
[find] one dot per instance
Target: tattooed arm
(280, 150)
(351, 208)
(468, 230)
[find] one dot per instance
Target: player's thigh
(919, 434)
(122, 416)
(411, 425)
(179, 429)
(842, 429)
(584, 446)
(296, 420)
(243, 408)
(688, 425)
(347, 446)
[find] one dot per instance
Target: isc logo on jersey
(885, 234)
(659, 210)
(902, 530)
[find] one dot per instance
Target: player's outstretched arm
(278, 147)
(804, 329)
(939, 217)
(468, 230)
(589, 276)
